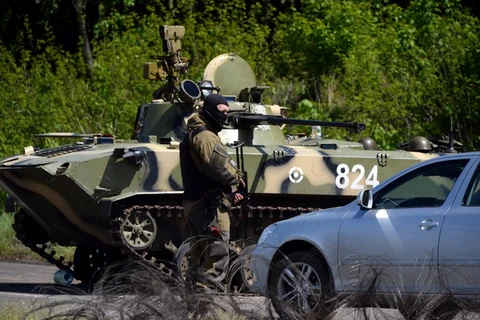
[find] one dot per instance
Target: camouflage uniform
(207, 211)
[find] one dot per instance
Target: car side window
(472, 196)
(428, 186)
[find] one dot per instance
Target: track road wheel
(246, 272)
(139, 230)
(240, 276)
(182, 259)
(300, 286)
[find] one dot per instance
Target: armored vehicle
(112, 198)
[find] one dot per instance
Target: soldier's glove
(237, 196)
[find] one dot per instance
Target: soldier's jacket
(210, 155)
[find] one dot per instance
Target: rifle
(245, 205)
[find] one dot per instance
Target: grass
(12, 249)
(10, 311)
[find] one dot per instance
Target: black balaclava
(211, 112)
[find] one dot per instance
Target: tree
(80, 9)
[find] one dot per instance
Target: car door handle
(428, 224)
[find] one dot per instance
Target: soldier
(210, 180)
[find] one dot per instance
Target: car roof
(442, 157)
(473, 153)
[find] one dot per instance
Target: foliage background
(405, 68)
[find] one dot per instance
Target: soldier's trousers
(210, 233)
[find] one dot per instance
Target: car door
(395, 243)
(459, 246)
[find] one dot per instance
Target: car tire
(300, 286)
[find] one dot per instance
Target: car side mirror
(365, 199)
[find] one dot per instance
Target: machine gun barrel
(252, 119)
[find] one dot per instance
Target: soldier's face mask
(215, 109)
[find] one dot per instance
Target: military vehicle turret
(112, 197)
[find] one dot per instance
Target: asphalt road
(22, 283)
(27, 284)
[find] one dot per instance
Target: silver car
(415, 235)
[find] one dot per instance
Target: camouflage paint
(102, 172)
(72, 191)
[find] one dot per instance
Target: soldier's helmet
(420, 144)
(368, 144)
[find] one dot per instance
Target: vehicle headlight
(206, 87)
(266, 233)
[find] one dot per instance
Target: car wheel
(300, 286)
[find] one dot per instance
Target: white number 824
(342, 180)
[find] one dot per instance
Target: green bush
(12, 249)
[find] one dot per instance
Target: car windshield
(428, 186)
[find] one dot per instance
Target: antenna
(450, 148)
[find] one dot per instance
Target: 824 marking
(342, 181)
